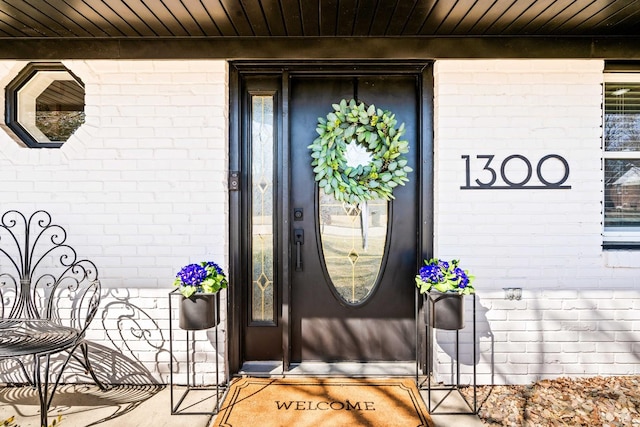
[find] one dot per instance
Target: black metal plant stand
(448, 388)
(180, 406)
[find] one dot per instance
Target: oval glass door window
(353, 241)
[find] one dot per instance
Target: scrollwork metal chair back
(41, 276)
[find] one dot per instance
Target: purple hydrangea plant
(205, 277)
(444, 276)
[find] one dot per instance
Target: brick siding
(578, 312)
(141, 189)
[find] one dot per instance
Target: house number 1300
(515, 160)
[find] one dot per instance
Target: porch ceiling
(310, 29)
(316, 18)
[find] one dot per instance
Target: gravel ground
(596, 401)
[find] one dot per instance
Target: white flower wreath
(358, 155)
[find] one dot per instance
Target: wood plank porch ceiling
(98, 19)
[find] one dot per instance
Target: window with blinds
(621, 159)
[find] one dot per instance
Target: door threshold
(354, 369)
(261, 368)
(332, 369)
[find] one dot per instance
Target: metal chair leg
(84, 361)
(23, 367)
(43, 389)
(84, 347)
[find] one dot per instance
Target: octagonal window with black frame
(44, 105)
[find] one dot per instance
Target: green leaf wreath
(355, 130)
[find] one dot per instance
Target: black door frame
(238, 239)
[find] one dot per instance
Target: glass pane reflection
(621, 193)
(262, 294)
(353, 249)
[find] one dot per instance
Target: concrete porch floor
(148, 405)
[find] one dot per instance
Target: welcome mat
(313, 402)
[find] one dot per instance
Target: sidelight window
(262, 209)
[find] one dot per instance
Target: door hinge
(234, 180)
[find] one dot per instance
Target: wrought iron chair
(48, 298)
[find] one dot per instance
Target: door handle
(298, 239)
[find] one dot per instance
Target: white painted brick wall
(578, 315)
(141, 190)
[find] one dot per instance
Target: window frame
(12, 107)
(623, 237)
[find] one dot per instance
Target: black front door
(324, 280)
(352, 291)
